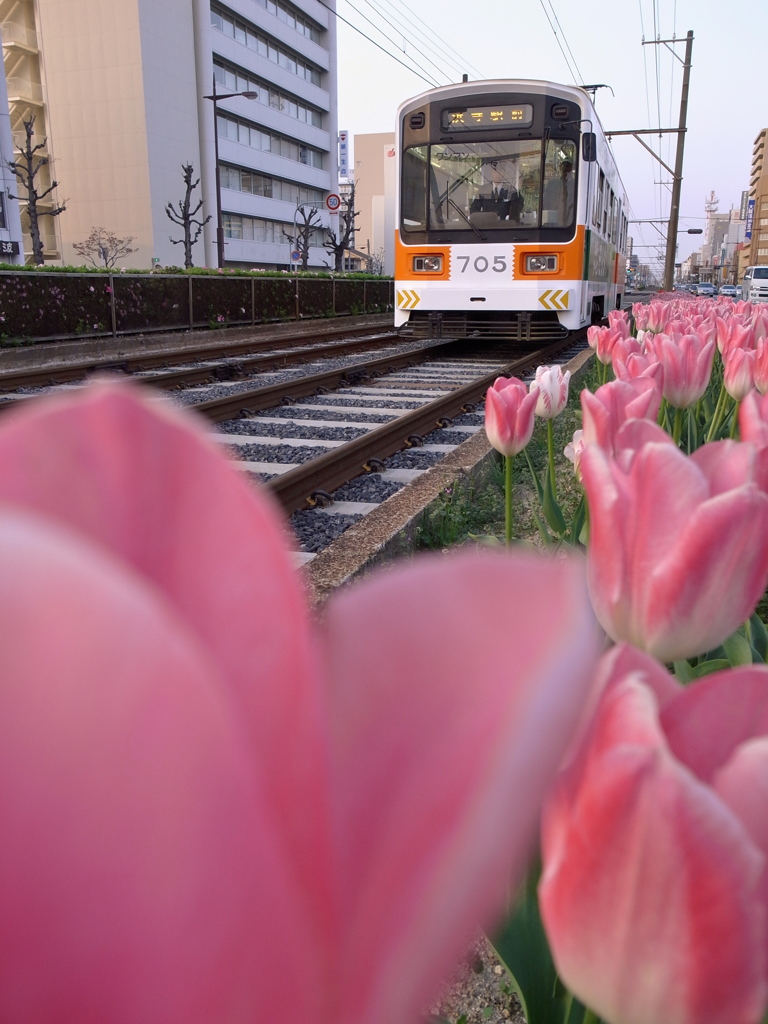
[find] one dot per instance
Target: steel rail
(244, 403)
(295, 489)
(290, 357)
(59, 373)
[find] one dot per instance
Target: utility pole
(677, 173)
(677, 179)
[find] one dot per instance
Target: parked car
(728, 290)
(705, 288)
(738, 291)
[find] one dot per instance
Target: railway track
(333, 444)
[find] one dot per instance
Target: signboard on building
(750, 218)
(743, 205)
(343, 154)
(8, 248)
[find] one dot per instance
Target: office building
(118, 89)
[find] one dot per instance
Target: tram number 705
(482, 263)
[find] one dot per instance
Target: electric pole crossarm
(656, 156)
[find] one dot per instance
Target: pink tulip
(654, 892)
(739, 372)
(761, 366)
(213, 810)
(574, 450)
(618, 319)
(678, 553)
(605, 339)
(659, 314)
(753, 420)
(509, 415)
(605, 411)
(553, 391)
(687, 363)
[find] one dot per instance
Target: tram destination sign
(503, 115)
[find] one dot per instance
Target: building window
(241, 180)
(247, 34)
(257, 229)
(238, 80)
(269, 142)
(293, 18)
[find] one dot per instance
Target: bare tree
(186, 216)
(376, 262)
(307, 220)
(104, 248)
(337, 242)
(26, 169)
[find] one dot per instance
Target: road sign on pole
(333, 202)
(295, 255)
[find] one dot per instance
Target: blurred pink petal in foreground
(605, 411)
(678, 552)
(212, 812)
(655, 844)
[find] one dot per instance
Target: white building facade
(122, 97)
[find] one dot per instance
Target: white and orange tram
(511, 216)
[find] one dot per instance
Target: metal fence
(40, 306)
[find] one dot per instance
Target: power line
(552, 8)
(377, 45)
(439, 70)
(451, 55)
(574, 75)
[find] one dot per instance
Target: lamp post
(219, 222)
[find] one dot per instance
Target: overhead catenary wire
(378, 46)
(400, 20)
(440, 71)
(462, 64)
(565, 40)
(573, 71)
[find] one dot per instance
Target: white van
(754, 287)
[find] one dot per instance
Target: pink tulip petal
(142, 480)
(646, 872)
(708, 721)
(690, 577)
(433, 733)
(141, 878)
(742, 783)
(726, 464)
(622, 659)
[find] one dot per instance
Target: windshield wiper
(474, 227)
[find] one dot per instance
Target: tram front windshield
(487, 186)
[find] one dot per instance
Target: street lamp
(219, 223)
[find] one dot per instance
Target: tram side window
(607, 209)
(559, 200)
(414, 189)
(597, 212)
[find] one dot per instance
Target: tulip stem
(590, 1018)
(551, 450)
(735, 424)
(677, 429)
(718, 415)
(508, 497)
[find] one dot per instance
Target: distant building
(375, 169)
(757, 217)
(118, 91)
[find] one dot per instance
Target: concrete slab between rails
(388, 532)
(76, 350)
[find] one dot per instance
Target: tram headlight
(427, 264)
(540, 264)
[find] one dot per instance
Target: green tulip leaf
(534, 476)
(552, 511)
(684, 671)
(708, 667)
(521, 945)
(737, 650)
(759, 636)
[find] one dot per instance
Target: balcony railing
(20, 142)
(19, 35)
(22, 90)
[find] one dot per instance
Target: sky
(586, 42)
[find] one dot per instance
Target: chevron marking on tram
(554, 298)
(408, 300)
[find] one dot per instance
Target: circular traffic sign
(295, 255)
(333, 202)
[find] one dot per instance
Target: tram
(510, 214)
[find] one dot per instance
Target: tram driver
(559, 196)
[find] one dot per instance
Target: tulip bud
(509, 413)
(552, 386)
